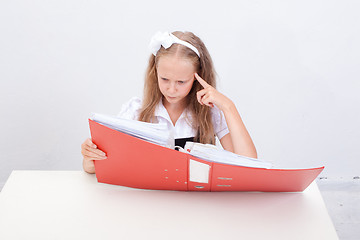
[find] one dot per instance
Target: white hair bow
(166, 39)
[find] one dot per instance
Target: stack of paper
(159, 134)
(152, 132)
(214, 154)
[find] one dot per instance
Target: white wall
(291, 67)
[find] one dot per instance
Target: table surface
(73, 205)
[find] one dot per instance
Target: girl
(180, 89)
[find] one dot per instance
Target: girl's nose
(172, 88)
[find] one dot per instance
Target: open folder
(137, 163)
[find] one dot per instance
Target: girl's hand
(210, 96)
(90, 153)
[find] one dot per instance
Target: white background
(291, 67)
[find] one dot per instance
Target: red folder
(136, 163)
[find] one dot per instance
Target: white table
(72, 205)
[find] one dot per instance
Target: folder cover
(136, 163)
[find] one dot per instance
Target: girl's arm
(238, 140)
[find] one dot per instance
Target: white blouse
(182, 128)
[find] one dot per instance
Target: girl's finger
(91, 159)
(89, 143)
(207, 100)
(200, 94)
(91, 156)
(92, 147)
(95, 151)
(201, 81)
(99, 152)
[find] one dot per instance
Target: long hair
(201, 114)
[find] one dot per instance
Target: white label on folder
(199, 172)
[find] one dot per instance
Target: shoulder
(131, 108)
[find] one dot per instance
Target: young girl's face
(175, 78)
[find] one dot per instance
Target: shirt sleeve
(131, 109)
(219, 123)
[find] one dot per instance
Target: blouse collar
(160, 111)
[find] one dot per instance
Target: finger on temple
(201, 81)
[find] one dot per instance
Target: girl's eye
(181, 82)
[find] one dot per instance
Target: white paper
(213, 154)
(152, 132)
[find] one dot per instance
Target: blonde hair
(201, 114)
